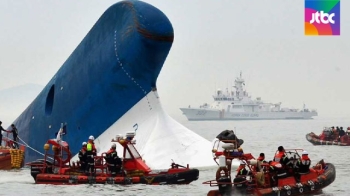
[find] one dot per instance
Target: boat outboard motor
(229, 135)
(38, 166)
(240, 183)
(223, 177)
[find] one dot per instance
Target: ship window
(50, 100)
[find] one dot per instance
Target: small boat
(11, 158)
(329, 137)
(57, 168)
(261, 181)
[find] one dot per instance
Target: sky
(214, 40)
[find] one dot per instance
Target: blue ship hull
(113, 68)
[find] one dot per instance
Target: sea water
(259, 136)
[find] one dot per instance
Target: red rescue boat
(57, 168)
(11, 158)
(329, 137)
(260, 181)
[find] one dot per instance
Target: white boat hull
(194, 114)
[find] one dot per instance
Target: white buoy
(222, 161)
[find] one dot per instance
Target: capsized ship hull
(194, 114)
(107, 86)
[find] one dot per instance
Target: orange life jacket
(305, 160)
(260, 158)
(278, 156)
(322, 136)
(276, 164)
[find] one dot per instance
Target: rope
(32, 148)
(13, 140)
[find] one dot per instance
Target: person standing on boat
(304, 163)
(261, 157)
(242, 171)
(280, 154)
(341, 132)
(261, 160)
(114, 162)
(90, 153)
(14, 132)
(1, 129)
(286, 163)
(83, 157)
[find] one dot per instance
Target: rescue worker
(277, 171)
(341, 132)
(113, 161)
(83, 157)
(1, 129)
(261, 160)
(280, 157)
(14, 132)
(261, 157)
(279, 154)
(304, 163)
(240, 179)
(242, 171)
(90, 154)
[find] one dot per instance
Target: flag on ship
(62, 131)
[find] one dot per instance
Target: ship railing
(101, 164)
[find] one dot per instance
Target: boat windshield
(133, 152)
(292, 155)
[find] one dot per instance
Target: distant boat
(238, 105)
(107, 86)
(330, 136)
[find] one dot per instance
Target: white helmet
(84, 143)
(305, 152)
(91, 137)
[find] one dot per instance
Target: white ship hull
(194, 114)
(239, 105)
